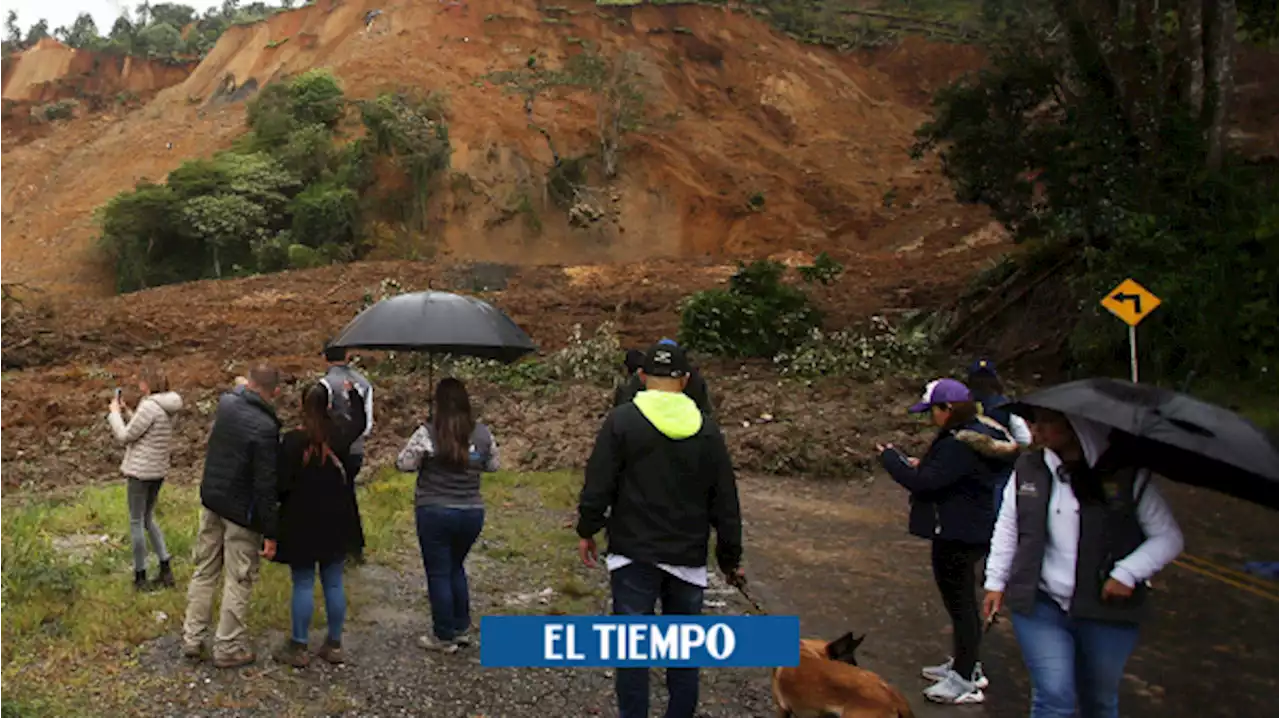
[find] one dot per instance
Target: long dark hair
(962, 412)
(453, 422)
(316, 422)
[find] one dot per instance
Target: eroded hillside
(819, 139)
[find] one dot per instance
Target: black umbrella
(1184, 439)
(437, 323)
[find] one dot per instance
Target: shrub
(876, 351)
(60, 110)
(584, 358)
(757, 316)
(325, 214)
(824, 270)
(411, 130)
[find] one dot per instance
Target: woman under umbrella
(1080, 531)
(448, 454)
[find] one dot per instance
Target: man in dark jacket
(695, 388)
(238, 518)
(658, 480)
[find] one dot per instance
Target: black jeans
(637, 588)
(955, 565)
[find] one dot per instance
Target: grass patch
(72, 622)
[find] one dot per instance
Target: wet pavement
(838, 555)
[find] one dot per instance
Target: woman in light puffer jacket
(148, 439)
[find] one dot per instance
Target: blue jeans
(304, 599)
(445, 536)
(637, 587)
(1073, 661)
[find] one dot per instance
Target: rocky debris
(80, 548)
(584, 214)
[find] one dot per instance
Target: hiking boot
(140, 583)
(331, 651)
(235, 659)
(165, 578)
(954, 690)
(293, 654)
(194, 651)
(938, 673)
(431, 643)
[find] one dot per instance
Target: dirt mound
(52, 71)
(764, 144)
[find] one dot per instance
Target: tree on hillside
(83, 33)
(158, 40)
(178, 16)
(38, 32)
(144, 13)
(12, 33)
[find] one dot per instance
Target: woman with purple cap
(952, 506)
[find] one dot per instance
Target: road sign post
(1131, 303)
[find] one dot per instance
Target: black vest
(1108, 532)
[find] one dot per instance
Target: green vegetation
(757, 316)
(166, 31)
(1076, 143)
(824, 270)
(73, 623)
(288, 195)
(412, 130)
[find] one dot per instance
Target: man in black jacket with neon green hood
(658, 480)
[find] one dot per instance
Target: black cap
(666, 359)
(332, 353)
(634, 361)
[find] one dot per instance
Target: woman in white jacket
(147, 437)
(1080, 531)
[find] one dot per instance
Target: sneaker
(466, 638)
(431, 643)
(293, 654)
(331, 651)
(938, 673)
(236, 659)
(954, 690)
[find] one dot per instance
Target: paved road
(838, 555)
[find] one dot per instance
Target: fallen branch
(989, 316)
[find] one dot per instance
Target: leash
(742, 589)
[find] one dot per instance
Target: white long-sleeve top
(1019, 430)
(1058, 569)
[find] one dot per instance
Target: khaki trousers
(221, 547)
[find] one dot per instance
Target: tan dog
(828, 682)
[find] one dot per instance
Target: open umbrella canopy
(437, 323)
(1181, 438)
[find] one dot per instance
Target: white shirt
(1058, 569)
(1019, 430)
(696, 575)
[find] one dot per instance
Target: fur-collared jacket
(951, 489)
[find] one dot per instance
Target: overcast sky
(64, 12)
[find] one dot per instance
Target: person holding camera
(147, 435)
